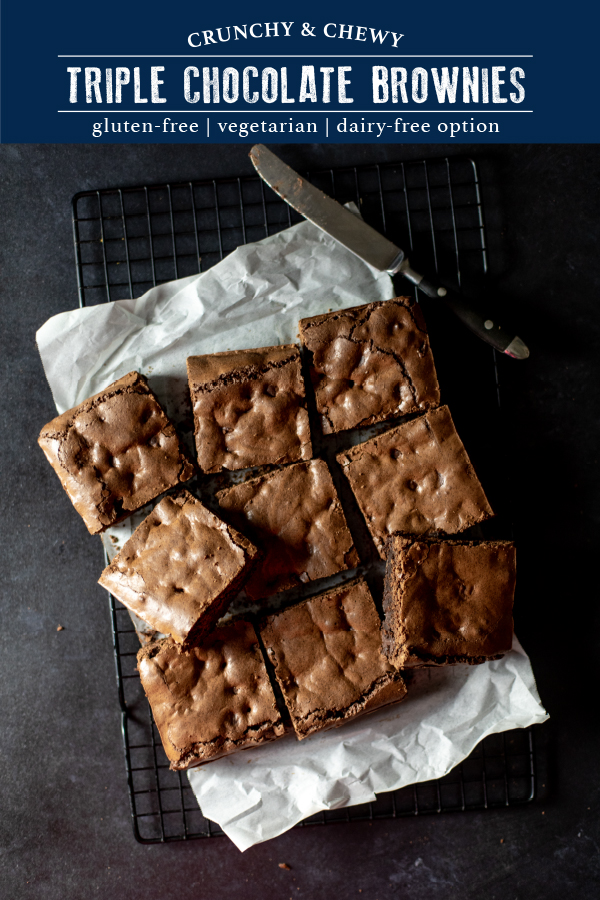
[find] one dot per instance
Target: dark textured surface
(65, 828)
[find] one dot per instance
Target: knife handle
(485, 328)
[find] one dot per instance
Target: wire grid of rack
(128, 240)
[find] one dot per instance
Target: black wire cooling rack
(129, 239)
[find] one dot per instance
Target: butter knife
(373, 247)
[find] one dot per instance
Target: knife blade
(373, 247)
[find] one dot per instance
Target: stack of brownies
(216, 687)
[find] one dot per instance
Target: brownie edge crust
(447, 602)
(212, 701)
(115, 452)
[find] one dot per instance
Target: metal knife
(373, 247)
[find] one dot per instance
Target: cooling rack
(128, 240)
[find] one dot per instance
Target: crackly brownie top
(370, 363)
(115, 452)
(295, 516)
(216, 697)
(448, 599)
(327, 651)
(177, 562)
(249, 408)
(415, 479)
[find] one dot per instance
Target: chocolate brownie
(295, 516)
(249, 408)
(415, 479)
(115, 452)
(447, 602)
(370, 363)
(213, 700)
(328, 661)
(180, 569)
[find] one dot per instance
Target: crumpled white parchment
(260, 793)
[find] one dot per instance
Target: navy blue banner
(314, 72)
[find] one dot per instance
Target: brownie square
(115, 452)
(370, 363)
(249, 408)
(328, 660)
(294, 515)
(213, 700)
(180, 569)
(415, 479)
(447, 602)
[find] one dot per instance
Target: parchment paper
(257, 794)
(254, 298)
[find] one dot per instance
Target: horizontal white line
(290, 112)
(295, 56)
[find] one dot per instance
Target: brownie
(447, 602)
(249, 408)
(180, 569)
(214, 699)
(370, 363)
(415, 479)
(328, 661)
(115, 452)
(294, 515)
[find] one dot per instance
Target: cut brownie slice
(115, 452)
(180, 569)
(328, 661)
(249, 408)
(415, 479)
(212, 701)
(295, 516)
(370, 363)
(447, 602)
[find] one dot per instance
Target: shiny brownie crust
(370, 363)
(327, 656)
(180, 569)
(295, 517)
(115, 452)
(447, 602)
(249, 408)
(212, 701)
(415, 479)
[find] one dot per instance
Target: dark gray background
(64, 823)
